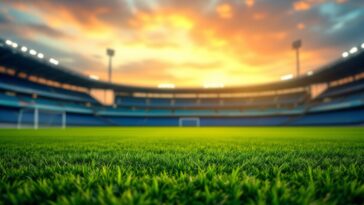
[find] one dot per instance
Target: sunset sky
(186, 42)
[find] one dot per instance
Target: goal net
(189, 122)
(41, 118)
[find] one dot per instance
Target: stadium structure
(38, 91)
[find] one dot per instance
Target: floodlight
(362, 46)
(110, 52)
(94, 77)
(345, 54)
(287, 77)
(309, 73)
(33, 52)
(213, 85)
(24, 49)
(167, 86)
(14, 45)
(9, 42)
(297, 44)
(353, 50)
(53, 61)
(40, 55)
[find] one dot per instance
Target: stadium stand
(11, 83)
(347, 88)
(296, 98)
(285, 103)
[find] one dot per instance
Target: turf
(182, 166)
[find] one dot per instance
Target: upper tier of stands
(42, 103)
(351, 87)
(293, 99)
(15, 84)
(346, 96)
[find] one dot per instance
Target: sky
(188, 43)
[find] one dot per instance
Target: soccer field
(182, 166)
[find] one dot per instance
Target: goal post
(34, 117)
(189, 122)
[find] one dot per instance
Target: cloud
(4, 19)
(341, 1)
(155, 72)
(259, 16)
(225, 11)
(250, 3)
(186, 42)
(301, 26)
(301, 6)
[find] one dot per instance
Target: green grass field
(182, 166)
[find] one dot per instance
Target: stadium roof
(21, 61)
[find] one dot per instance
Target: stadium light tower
(110, 52)
(296, 45)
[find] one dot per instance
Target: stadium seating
(345, 117)
(7, 100)
(8, 115)
(214, 102)
(260, 101)
(185, 102)
(351, 100)
(160, 102)
(133, 111)
(143, 121)
(131, 101)
(262, 121)
(351, 87)
(294, 98)
(11, 83)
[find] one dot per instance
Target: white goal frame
(183, 119)
(36, 117)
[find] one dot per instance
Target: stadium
(294, 102)
(297, 140)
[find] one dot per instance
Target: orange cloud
(259, 16)
(225, 11)
(91, 25)
(301, 6)
(304, 5)
(250, 3)
(279, 35)
(301, 26)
